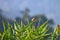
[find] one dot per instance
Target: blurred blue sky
(51, 8)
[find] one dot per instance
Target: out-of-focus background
(16, 9)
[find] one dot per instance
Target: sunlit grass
(28, 32)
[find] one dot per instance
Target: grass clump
(28, 32)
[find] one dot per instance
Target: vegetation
(34, 28)
(29, 32)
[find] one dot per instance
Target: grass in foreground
(29, 32)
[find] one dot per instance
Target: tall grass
(28, 32)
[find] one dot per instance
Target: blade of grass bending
(41, 27)
(44, 29)
(4, 26)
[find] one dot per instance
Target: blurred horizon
(50, 8)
